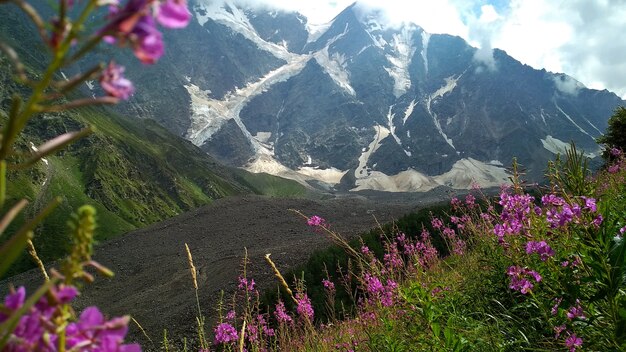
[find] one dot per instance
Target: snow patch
(335, 67)
(230, 15)
(392, 128)
(402, 54)
(408, 111)
(208, 115)
(425, 42)
(450, 84)
(316, 30)
(362, 170)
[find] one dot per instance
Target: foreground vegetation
(542, 272)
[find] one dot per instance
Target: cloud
(567, 84)
(481, 30)
(583, 38)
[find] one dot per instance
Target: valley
(152, 281)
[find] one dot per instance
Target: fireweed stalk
(550, 267)
(45, 321)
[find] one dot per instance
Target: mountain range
(357, 104)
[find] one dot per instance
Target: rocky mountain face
(356, 104)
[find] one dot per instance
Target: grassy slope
(133, 171)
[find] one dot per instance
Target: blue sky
(582, 38)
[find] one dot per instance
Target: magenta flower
(558, 330)
(597, 221)
(329, 285)
(281, 313)
(316, 221)
(573, 342)
(147, 41)
(519, 278)
(541, 248)
(114, 83)
(575, 311)
(246, 285)
(590, 204)
(36, 330)
(304, 307)
(436, 223)
(616, 152)
(173, 14)
(225, 333)
(93, 333)
(470, 200)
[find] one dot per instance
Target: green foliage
(615, 136)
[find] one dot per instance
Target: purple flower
(541, 248)
(558, 330)
(225, 333)
(615, 152)
(575, 311)
(470, 200)
(329, 285)
(316, 221)
(436, 223)
(93, 332)
(114, 83)
(590, 204)
(597, 221)
(555, 307)
(373, 284)
(519, 281)
(281, 314)
(246, 285)
(573, 342)
(613, 169)
(147, 41)
(173, 14)
(304, 307)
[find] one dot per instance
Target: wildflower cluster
(45, 320)
(45, 325)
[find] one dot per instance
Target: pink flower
(147, 41)
(575, 311)
(92, 332)
(304, 307)
(573, 342)
(225, 333)
(173, 14)
(281, 314)
(519, 281)
(316, 221)
(329, 285)
(114, 83)
(541, 248)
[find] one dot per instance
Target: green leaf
(11, 250)
(436, 328)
